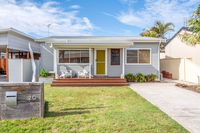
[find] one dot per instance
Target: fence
(181, 69)
(20, 70)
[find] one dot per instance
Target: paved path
(180, 104)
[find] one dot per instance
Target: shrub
(130, 77)
(140, 77)
(43, 73)
(150, 77)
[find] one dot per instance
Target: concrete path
(180, 104)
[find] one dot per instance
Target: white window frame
(126, 63)
(73, 63)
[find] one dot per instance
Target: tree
(162, 29)
(193, 36)
(149, 33)
(159, 30)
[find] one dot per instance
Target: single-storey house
(99, 56)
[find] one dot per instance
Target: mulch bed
(195, 88)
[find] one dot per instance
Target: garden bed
(195, 88)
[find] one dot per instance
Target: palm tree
(149, 33)
(159, 30)
(162, 29)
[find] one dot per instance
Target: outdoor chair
(65, 73)
(83, 73)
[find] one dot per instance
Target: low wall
(181, 69)
(29, 100)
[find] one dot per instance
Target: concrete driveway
(180, 104)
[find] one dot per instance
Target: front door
(100, 62)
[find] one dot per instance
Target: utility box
(11, 98)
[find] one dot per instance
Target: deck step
(90, 82)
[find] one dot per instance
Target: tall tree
(193, 36)
(159, 30)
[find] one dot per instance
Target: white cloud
(175, 11)
(31, 17)
(74, 7)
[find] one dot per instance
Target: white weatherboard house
(100, 56)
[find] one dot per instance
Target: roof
(183, 28)
(13, 30)
(98, 39)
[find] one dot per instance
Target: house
(100, 56)
(181, 59)
(15, 64)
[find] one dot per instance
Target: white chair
(65, 73)
(83, 73)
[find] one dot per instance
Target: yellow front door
(100, 62)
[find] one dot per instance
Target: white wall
(20, 70)
(178, 49)
(181, 69)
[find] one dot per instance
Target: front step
(90, 82)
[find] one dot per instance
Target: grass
(95, 109)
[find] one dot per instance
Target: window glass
(84, 56)
(115, 56)
(144, 56)
(73, 56)
(140, 56)
(132, 56)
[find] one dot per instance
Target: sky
(92, 17)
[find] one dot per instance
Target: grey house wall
(46, 59)
(116, 70)
(153, 68)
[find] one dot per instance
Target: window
(73, 56)
(115, 56)
(138, 56)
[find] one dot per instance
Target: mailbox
(11, 98)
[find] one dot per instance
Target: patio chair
(65, 73)
(83, 73)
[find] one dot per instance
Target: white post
(90, 62)
(123, 59)
(55, 62)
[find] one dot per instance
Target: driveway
(180, 104)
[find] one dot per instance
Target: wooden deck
(81, 82)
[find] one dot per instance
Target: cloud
(74, 7)
(175, 11)
(32, 17)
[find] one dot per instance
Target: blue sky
(92, 17)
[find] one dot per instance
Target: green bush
(140, 77)
(130, 77)
(150, 77)
(43, 73)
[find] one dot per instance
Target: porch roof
(96, 41)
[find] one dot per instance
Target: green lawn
(95, 109)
